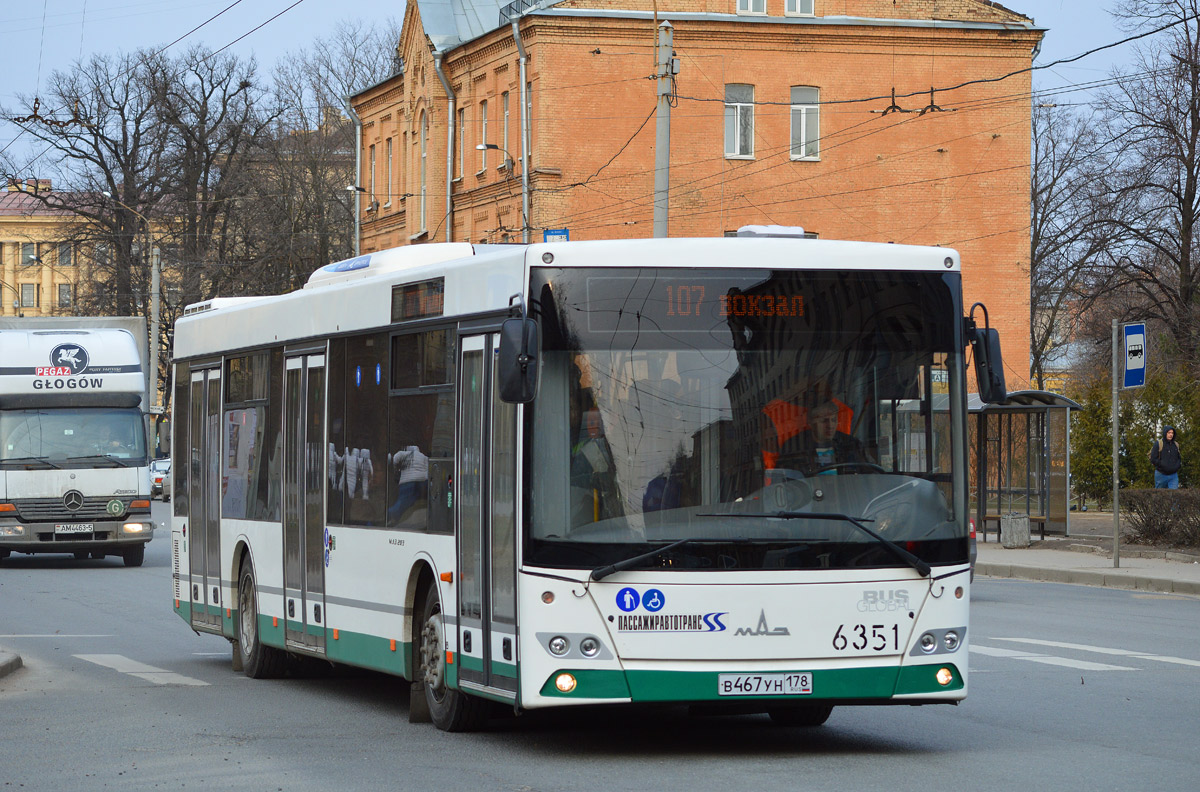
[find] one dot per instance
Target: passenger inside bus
(594, 494)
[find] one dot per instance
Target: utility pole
(155, 324)
(668, 67)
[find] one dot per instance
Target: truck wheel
(450, 710)
(258, 661)
(82, 555)
(135, 555)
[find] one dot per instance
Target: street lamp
(155, 277)
(508, 163)
(508, 159)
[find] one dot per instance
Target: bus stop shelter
(1020, 460)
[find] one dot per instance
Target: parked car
(160, 479)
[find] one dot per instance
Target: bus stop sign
(1135, 355)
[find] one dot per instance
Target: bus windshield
(72, 436)
(723, 406)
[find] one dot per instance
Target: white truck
(74, 459)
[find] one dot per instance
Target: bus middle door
(486, 524)
(304, 449)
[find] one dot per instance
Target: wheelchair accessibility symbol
(653, 600)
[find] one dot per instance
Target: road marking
(1083, 665)
(124, 665)
(1105, 650)
(51, 635)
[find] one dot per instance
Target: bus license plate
(765, 684)
(71, 528)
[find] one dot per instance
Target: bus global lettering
(83, 383)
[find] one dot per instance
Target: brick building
(38, 262)
(783, 114)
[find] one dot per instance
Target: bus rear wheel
(450, 710)
(807, 715)
(258, 661)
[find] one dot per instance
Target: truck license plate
(73, 528)
(798, 684)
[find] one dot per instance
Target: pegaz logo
(65, 360)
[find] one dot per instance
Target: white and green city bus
(573, 474)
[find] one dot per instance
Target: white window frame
(29, 254)
(29, 295)
(734, 148)
(462, 142)
(803, 8)
(64, 289)
(807, 113)
(424, 169)
(371, 180)
(483, 135)
(747, 7)
(504, 130)
(388, 168)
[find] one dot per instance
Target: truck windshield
(682, 403)
(72, 436)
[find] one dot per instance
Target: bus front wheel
(450, 710)
(807, 715)
(258, 661)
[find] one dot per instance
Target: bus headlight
(945, 676)
(928, 643)
(951, 641)
(559, 645)
(565, 682)
(590, 647)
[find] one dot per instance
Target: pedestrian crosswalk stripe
(1066, 662)
(1104, 650)
(125, 665)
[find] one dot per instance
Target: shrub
(1163, 517)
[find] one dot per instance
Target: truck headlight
(12, 530)
(135, 527)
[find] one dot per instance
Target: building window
(798, 7)
(739, 121)
(462, 142)
(28, 295)
(424, 169)
(388, 166)
(806, 122)
(28, 254)
(371, 178)
(483, 135)
(504, 129)
(753, 6)
(64, 295)
(100, 255)
(529, 118)
(65, 254)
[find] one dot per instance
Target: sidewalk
(8, 663)
(1066, 560)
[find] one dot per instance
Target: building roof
(17, 203)
(450, 23)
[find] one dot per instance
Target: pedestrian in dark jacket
(1164, 455)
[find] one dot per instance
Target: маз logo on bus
(65, 360)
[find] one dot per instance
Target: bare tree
(1069, 236)
(1153, 178)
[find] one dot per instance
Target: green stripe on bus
(923, 679)
(848, 683)
(469, 663)
(369, 651)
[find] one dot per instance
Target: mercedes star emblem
(73, 500)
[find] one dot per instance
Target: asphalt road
(1072, 688)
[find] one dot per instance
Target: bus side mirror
(989, 367)
(518, 363)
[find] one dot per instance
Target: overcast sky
(44, 35)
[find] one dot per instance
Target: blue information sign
(1135, 355)
(556, 235)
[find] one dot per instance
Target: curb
(1089, 577)
(9, 663)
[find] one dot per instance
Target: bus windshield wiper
(899, 552)
(117, 461)
(599, 573)
(29, 460)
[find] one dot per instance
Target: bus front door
(304, 541)
(486, 524)
(204, 495)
